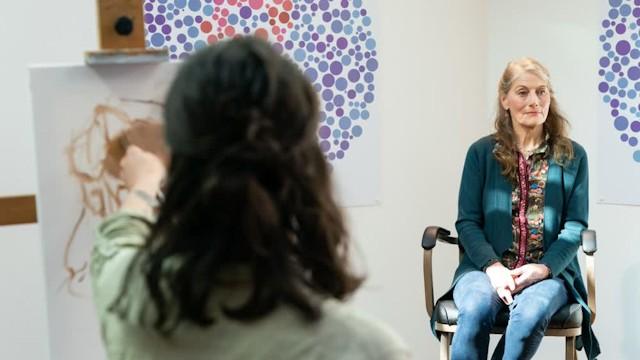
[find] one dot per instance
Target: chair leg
(445, 341)
(570, 348)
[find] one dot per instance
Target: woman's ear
(504, 102)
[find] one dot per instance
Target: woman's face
(528, 101)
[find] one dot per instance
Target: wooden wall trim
(18, 210)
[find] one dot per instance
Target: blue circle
(348, 29)
(157, 39)
(364, 114)
(354, 114)
(294, 35)
(194, 5)
(337, 133)
(299, 54)
(341, 83)
(200, 44)
(356, 131)
(633, 141)
(193, 32)
(180, 4)
(621, 123)
(336, 26)
(366, 21)
(615, 3)
(370, 44)
(344, 123)
(207, 10)
(631, 94)
(613, 13)
(622, 82)
(306, 19)
(636, 156)
(625, 10)
(188, 20)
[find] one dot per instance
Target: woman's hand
(502, 281)
(529, 274)
(142, 170)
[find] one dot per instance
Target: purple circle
(327, 94)
(616, 67)
(621, 28)
(152, 28)
(621, 123)
(335, 68)
(245, 12)
(159, 19)
(354, 75)
(325, 146)
(603, 87)
(166, 29)
(321, 47)
(615, 112)
(624, 137)
(326, 17)
(342, 43)
(328, 80)
(344, 145)
(372, 64)
(633, 141)
(623, 47)
(636, 12)
(148, 7)
(635, 126)
(339, 111)
(634, 73)
(324, 132)
(614, 103)
(323, 5)
(148, 18)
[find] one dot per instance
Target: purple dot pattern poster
(331, 40)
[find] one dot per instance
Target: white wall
(30, 32)
(440, 61)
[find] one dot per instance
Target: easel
(122, 41)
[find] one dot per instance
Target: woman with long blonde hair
(523, 203)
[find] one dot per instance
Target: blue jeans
(529, 315)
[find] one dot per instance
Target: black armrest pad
(589, 243)
(433, 233)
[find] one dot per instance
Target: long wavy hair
(248, 185)
(555, 127)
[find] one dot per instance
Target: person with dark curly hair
(248, 256)
(523, 202)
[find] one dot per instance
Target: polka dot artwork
(331, 41)
(619, 70)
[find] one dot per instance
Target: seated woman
(248, 256)
(522, 205)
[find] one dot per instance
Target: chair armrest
(433, 233)
(589, 247)
(429, 237)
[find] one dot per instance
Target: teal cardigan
(484, 220)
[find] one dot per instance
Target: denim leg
(478, 304)
(529, 317)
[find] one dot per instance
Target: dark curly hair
(249, 185)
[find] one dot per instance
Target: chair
(566, 322)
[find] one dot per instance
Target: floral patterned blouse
(527, 209)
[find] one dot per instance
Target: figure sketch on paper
(93, 157)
